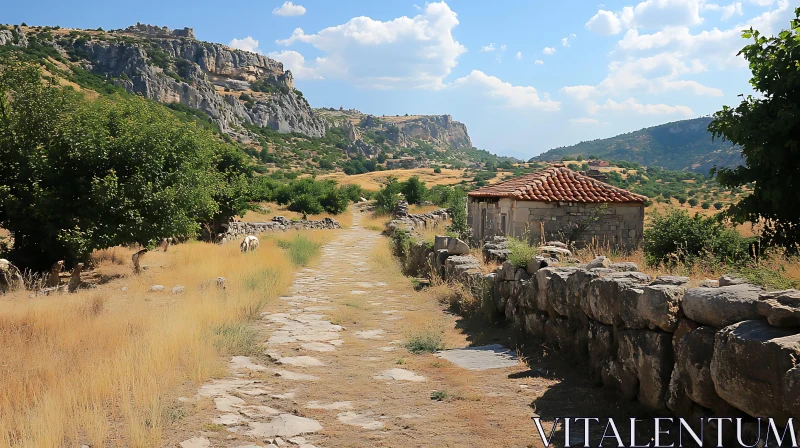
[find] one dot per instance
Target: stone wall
(728, 349)
(236, 229)
(609, 224)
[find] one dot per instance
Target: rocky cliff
(234, 87)
(369, 133)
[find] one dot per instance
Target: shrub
(677, 237)
(414, 190)
(693, 202)
(387, 198)
(718, 205)
(437, 170)
(520, 252)
(457, 208)
(705, 205)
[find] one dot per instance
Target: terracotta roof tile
(557, 183)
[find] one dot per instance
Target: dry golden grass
(102, 366)
(374, 180)
(271, 210)
(374, 222)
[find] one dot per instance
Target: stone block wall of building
(613, 225)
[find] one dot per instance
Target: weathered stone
(708, 283)
(660, 306)
(750, 368)
(458, 267)
(536, 263)
(555, 252)
(178, 289)
(486, 357)
(670, 280)
(578, 294)
(628, 303)
(605, 294)
(625, 266)
(535, 323)
(521, 274)
(727, 280)
(560, 332)
(781, 308)
(397, 374)
(457, 247)
(600, 343)
(508, 271)
(599, 262)
(157, 288)
(557, 290)
(692, 375)
(284, 425)
(723, 306)
(685, 326)
(648, 354)
(440, 242)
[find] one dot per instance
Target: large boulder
(605, 294)
(723, 306)
(535, 323)
(555, 252)
(440, 242)
(649, 356)
(670, 280)
(457, 247)
(557, 290)
(578, 293)
(459, 267)
(692, 375)
(781, 308)
(658, 307)
(754, 368)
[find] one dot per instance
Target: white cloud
(727, 11)
(519, 55)
(295, 62)
(717, 46)
(631, 105)
(647, 14)
(649, 75)
(503, 47)
(538, 62)
(549, 50)
(565, 42)
(762, 2)
(572, 35)
(605, 23)
(289, 9)
(416, 52)
(526, 97)
(246, 44)
(487, 48)
(584, 120)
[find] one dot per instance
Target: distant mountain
(680, 145)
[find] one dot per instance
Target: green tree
(767, 128)
(414, 190)
(387, 197)
(80, 175)
(705, 205)
(718, 205)
(457, 207)
(693, 202)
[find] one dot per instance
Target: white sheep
(249, 244)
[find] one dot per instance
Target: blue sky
(524, 76)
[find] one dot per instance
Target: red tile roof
(557, 183)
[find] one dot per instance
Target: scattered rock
(295, 376)
(727, 280)
(360, 420)
(221, 282)
(481, 358)
(555, 252)
(301, 361)
(457, 247)
(781, 308)
(284, 425)
(599, 262)
(625, 266)
(244, 362)
(370, 334)
(157, 288)
(196, 442)
(670, 280)
(399, 375)
(318, 346)
(178, 289)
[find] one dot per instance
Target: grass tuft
(301, 249)
(425, 342)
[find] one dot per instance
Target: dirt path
(336, 372)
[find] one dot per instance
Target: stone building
(558, 204)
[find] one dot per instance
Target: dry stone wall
(726, 351)
(237, 229)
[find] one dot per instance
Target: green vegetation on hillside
(682, 145)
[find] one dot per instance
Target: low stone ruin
(410, 221)
(731, 350)
(236, 229)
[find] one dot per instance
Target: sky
(524, 76)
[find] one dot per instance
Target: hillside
(246, 97)
(680, 145)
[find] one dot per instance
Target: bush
(457, 208)
(414, 190)
(437, 170)
(520, 252)
(677, 237)
(425, 342)
(705, 205)
(387, 198)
